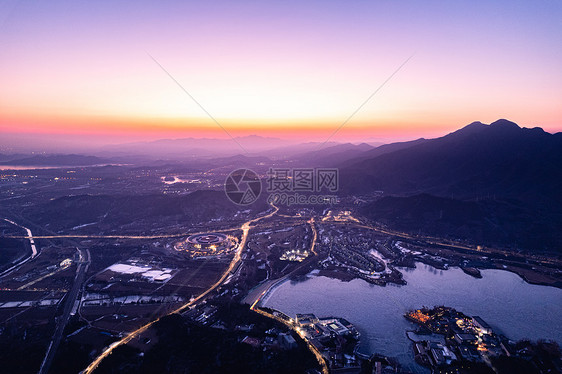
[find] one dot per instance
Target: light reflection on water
(509, 304)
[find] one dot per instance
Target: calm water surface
(509, 304)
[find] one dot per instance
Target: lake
(509, 304)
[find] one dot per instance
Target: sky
(118, 71)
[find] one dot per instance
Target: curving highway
(245, 230)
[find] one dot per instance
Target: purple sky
(80, 69)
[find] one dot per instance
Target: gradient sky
(81, 69)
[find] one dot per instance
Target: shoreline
(367, 346)
(347, 277)
(264, 295)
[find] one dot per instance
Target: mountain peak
(501, 125)
(504, 123)
(471, 128)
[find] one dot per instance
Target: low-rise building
(481, 325)
(306, 319)
(465, 338)
(286, 341)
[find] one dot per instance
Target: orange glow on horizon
(199, 128)
(297, 71)
(307, 130)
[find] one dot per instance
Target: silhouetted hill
(500, 159)
(293, 150)
(490, 222)
(336, 154)
(380, 150)
(180, 149)
(496, 183)
(5, 157)
(238, 161)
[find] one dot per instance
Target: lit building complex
(207, 244)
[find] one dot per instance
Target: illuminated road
(34, 251)
(258, 292)
(101, 236)
(431, 240)
(321, 360)
(29, 284)
(314, 235)
(79, 236)
(245, 230)
(67, 309)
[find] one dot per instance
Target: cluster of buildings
(351, 252)
(296, 255)
(467, 339)
(274, 339)
(335, 338)
(207, 244)
(339, 216)
(91, 299)
(39, 273)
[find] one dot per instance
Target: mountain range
(477, 161)
(196, 148)
(498, 183)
